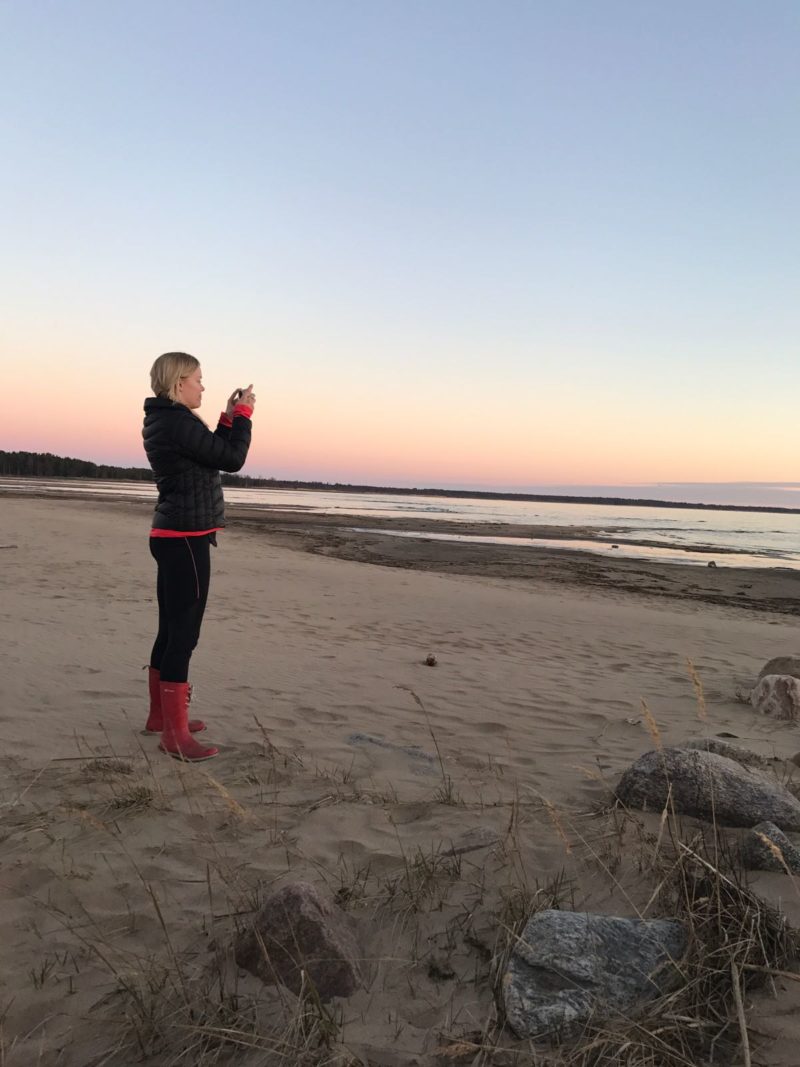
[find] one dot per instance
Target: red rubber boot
(155, 720)
(175, 737)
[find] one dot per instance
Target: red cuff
(242, 409)
(225, 421)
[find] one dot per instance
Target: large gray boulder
(298, 930)
(569, 967)
(781, 665)
(708, 786)
(734, 752)
(766, 848)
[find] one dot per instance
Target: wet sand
(755, 589)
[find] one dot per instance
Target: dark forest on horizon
(47, 465)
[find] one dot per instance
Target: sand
(346, 761)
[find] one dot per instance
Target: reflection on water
(739, 538)
(626, 550)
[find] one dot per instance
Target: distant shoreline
(245, 482)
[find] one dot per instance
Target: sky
(454, 243)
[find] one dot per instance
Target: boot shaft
(175, 736)
(174, 707)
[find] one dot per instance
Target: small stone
(777, 695)
(298, 930)
(569, 967)
(472, 840)
(711, 563)
(439, 969)
(430, 660)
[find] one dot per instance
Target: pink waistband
(184, 533)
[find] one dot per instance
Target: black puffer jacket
(186, 458)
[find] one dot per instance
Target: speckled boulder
(569, 967)
(734, 752)
(708, 786)
(767, 848)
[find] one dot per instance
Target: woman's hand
(247, 397)
(240, 396)
(232, 401)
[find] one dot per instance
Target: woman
(186, 458)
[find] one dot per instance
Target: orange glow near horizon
(341, 447)
(490, 436)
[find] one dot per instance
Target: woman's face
(189, 390)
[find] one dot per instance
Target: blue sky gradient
(462, 242)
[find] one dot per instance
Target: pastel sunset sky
(458, 243)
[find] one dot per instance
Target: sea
(667, 534)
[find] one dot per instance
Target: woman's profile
(186, 457)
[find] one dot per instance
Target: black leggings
(184, 571)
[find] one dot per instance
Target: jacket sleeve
(224, 427)
(195, 441)
(225, 423)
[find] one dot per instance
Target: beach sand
(346, 761)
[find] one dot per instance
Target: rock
(426, 761)
(430, 660)
(569, 967)
(711, 563)
(757, 854)
(298, 929)
(472, 840)
(734, 752)
(781, 665)
(708, 786)
(777, 695)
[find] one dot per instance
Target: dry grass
(652, 726)
(446, 793)
(135, 798)
(736, 942)
(699, 692)
(441, 926)
(106, 767)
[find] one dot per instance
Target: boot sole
(189, 759)
(157, 733)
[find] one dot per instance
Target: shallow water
(685, 535)
(620, 548)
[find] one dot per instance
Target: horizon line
(233, 480)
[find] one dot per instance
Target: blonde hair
(168, 370)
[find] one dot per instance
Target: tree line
(46, 465)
